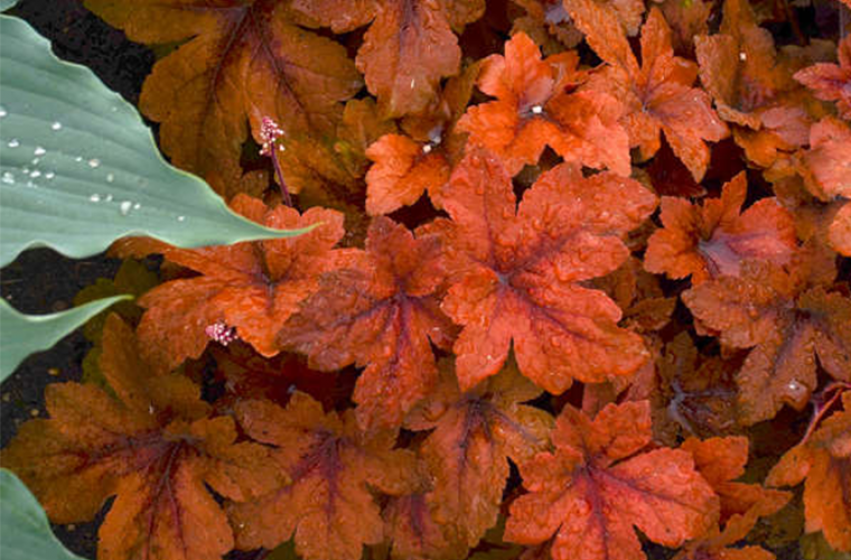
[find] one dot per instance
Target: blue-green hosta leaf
(21, 335)
(79, 168)
(6, 4)
(24, 526)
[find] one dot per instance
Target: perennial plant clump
(578, 288)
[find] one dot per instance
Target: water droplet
(13, 143)
(39, 151)
(125, 207)
(56, 126)
(8, 178)
(109, 198)
(3, 112)
(743, 56)
(427, 148)
(35, 174)
(95, 198)
(181, 218)
(78, 159)
(31, 185)
(94, 163)
(537, 109)
(49, 175)
(137, 206)
(110, 177)
(35, 161)
(26, 170)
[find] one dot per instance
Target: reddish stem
(822, 408)
(285, 193)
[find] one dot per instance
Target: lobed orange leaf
(380, 310)
(154, 445)
(598, 485)
(719, 461)
(657, 95)
(832, 82)
(533, 109)
(824, 167)
(252, 287)
(824, 463)
(722, 460)
(518, 272)
(407, 166)
(415, 534)
(628, 13)
(786, 324)
(329, 507)
(738, 66)
(713, 239)
(408, 48)
(548, 24)
(475, 432)
(239, 61)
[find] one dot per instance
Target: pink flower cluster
(269, 133)
(221, 333)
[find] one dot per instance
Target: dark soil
(41, 280)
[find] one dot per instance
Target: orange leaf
(241, 60)
(738, 66)
(533, 110)
(598, 484)
(154, 446)
(518, 272)
(415, 534)
(657, 96)
(403, 171)
(548, 24)
(786, 324)
(407, 166)
(408, 48)
(379, 310)
(824, 460)
(722, 460)
(475, 432)
(333, 466)
(831, 82)
(252, 287)
(713, 239)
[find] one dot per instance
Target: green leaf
(26, 531)
(21, 335)
(79, 168)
